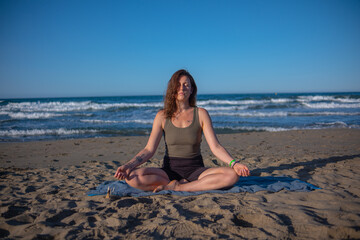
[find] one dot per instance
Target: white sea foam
(141, 121)
(71, 106)
(98, 121)
(225, 108)
(20, 115)
(281, 100)
(250, 114)
(34, 132)
(331, 105)
(331, 124)
(282, 114)
(348, 100)
(315, 98)
(267, 129)
(324, 113)
(280, 129)
(231, 102)
(328, 99)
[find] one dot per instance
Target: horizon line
(199, 94)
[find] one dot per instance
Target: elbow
(149, 152)
(216, 148)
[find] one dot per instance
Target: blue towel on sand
(246, 184)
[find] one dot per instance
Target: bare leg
(210, 179)
(147, 179)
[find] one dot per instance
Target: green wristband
(231, 162)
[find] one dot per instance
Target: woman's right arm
(145, 154)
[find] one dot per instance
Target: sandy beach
(43, 188)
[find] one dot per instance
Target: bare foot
(182, 181)
(170, 186)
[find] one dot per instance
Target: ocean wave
(337, 123)
(281, 100)
(331, 105)
(20, 115)
(225, 108)
(324, 113)
(257, 129)
(319, 125)
(301, 99)
(71, 106)
(231, 102)
(141, 121)
(328, 99)
(35, 132)
(282, 114)
(97, 121)
(250, 114)
(315, 98)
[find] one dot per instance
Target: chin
(181, 98)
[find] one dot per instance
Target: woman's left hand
(241, 170)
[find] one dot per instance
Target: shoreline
(67, 152)
(43, 188)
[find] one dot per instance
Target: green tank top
(183, 142)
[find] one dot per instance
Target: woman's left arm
(216, 148)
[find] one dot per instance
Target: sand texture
(43, 189)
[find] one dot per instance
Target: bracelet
(234, 164)
(231, 162)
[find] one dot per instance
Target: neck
(182, 106)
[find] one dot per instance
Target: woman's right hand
(123, 172)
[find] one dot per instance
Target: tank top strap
(196, 120)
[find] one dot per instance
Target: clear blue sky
(99, 48)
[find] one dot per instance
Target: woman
(182, 124)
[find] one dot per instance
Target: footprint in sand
(57, 218)
(4, 233)
(14, 211)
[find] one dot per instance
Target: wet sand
(43, 189)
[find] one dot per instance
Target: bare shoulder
(160, 117)
(161, 113)
(204, 116)
(203, 112)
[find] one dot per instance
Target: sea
(39, 119)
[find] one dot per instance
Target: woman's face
(184, 90)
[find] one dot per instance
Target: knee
(134, 178)
(231, 176)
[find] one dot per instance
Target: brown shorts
(178, 168)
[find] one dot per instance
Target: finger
(117, 173)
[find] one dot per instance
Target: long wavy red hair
(170, 106)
